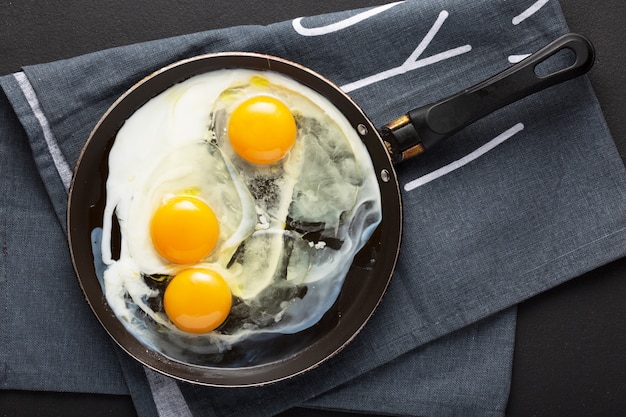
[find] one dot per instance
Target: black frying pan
(270, 359)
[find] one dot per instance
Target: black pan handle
(421, 128)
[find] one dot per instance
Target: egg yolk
(197, 300)
(262, 130)
(184, 229)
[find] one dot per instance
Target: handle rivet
(362, 129)
(385, 175)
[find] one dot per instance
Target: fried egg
(241, 197)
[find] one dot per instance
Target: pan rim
(258, 374)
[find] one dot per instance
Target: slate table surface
(570, 344)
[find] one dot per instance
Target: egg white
(289, 228)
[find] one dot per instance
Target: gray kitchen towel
(521, 201)
(465, 373)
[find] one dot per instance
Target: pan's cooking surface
(273, 357)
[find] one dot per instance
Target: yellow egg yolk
(197, 300)
(262, 130)
(184, 229)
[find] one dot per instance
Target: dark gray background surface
(571, 344)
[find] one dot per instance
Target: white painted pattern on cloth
(412, 62)
(514, 59)
(425, 179)
(340, 25)
(62, 167)
(529, 12)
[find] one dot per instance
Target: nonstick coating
(279, 357)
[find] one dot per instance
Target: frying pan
(265, 360)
